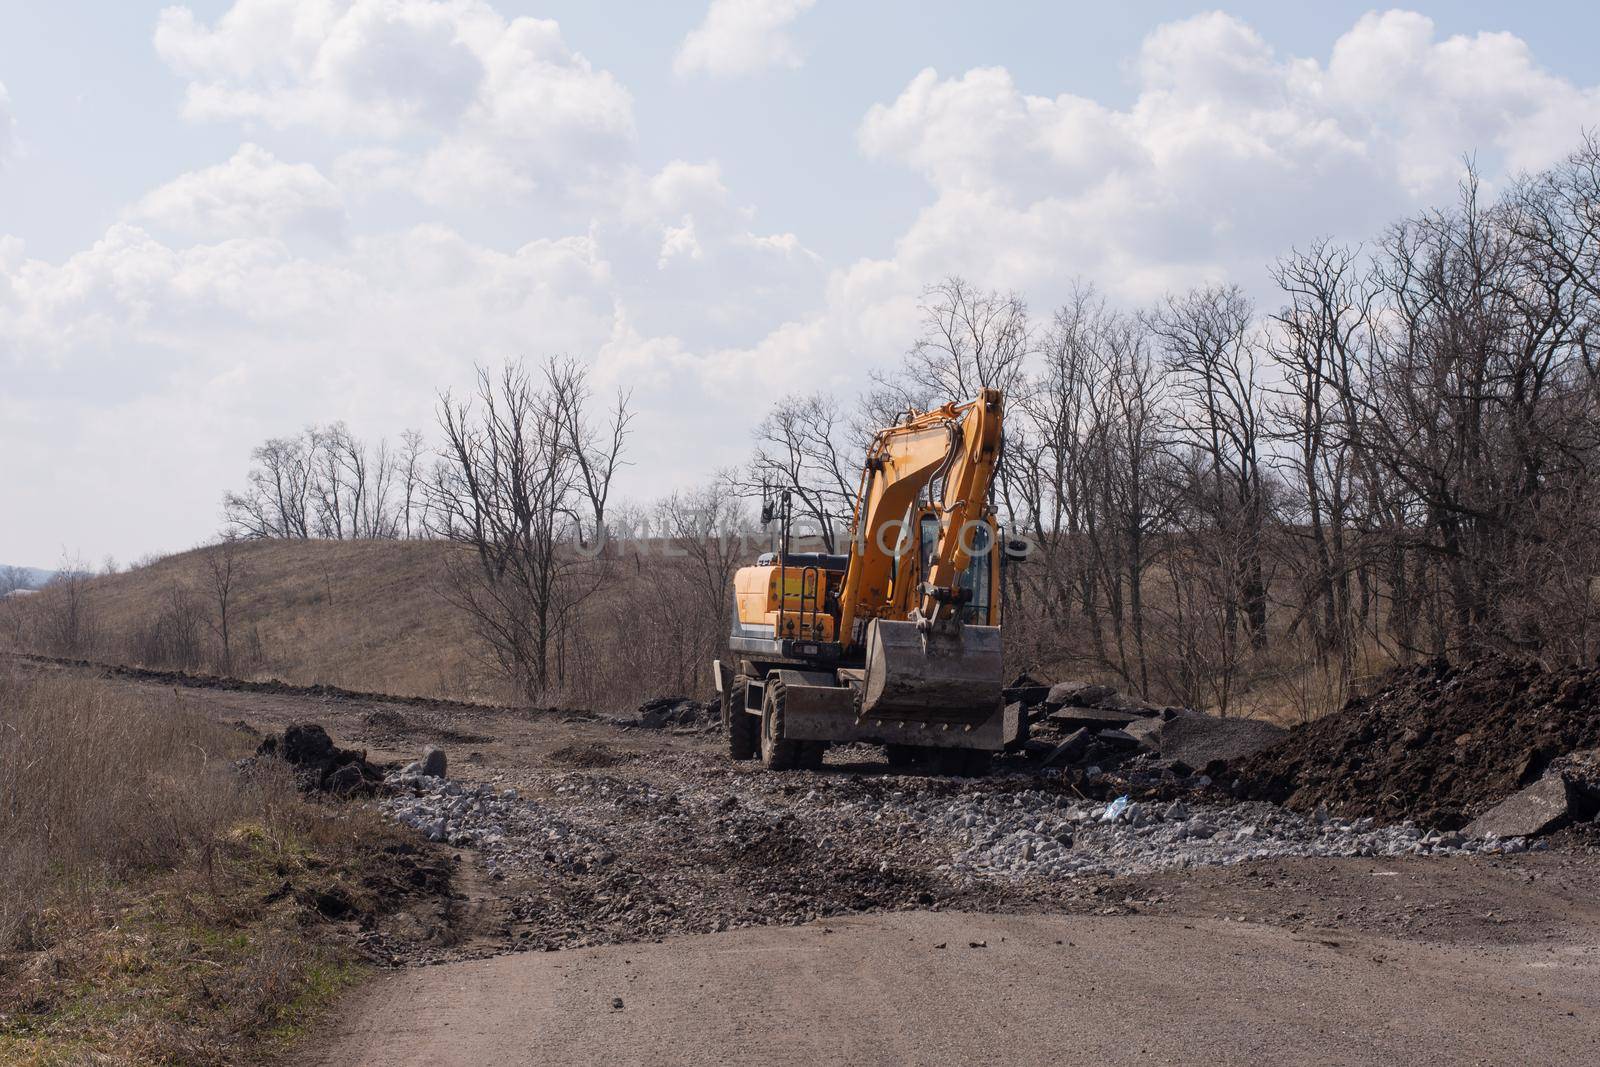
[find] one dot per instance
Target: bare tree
(1218, 417)
(278, 501)
(225, 570)
(510, 489)
(804, 446)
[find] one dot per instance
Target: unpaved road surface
(911, 989)
(744, 917)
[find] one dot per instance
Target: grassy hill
(361, 614)
(372, 615)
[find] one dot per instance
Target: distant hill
(374, 616)
(359, 614)
(30, 577)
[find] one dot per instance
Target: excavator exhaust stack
(946, 675)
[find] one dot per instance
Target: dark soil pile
(1437, 743)
(320, 765)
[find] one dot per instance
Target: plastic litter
(1115, 809)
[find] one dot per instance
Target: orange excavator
(897, 642)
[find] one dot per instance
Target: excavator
(896, 642)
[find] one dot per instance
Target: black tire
(777, 752)
(742, 729)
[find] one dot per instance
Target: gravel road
(742, 916)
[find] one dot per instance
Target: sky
(221, 222)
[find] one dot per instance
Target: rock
(1145, 731)
(1025, 690)
(433, 762)
(1069, 750)
(345, 781)
(1200, 740)
(662, 712)
(1070, 718)
(1079, 694)
(1545, 805)
(1118, 740)
(1131, 704)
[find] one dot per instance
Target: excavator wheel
(777, 752)
(743, 729)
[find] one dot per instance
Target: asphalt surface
(913, 988)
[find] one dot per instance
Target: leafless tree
(804, 445)
(69, 623)
(278, 502)
(225, 571)
(512, 490)
(1218, 418)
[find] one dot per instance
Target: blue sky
(222, 221)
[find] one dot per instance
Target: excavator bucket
(951, 677)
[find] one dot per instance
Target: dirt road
(909, 988)
(703, 895)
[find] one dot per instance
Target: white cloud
(1229, 154)
(252, 194)
(201, 323)
(508, 105)
(741, 37)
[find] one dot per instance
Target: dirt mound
(1436, 743)
(588, 754)
(320, 765)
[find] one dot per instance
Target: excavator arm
(928, 666)
(961, 443)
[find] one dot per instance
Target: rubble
(1070, 718)
(1435, 742)
(1544, 805)
(1078, 694)
(1200, 740)
(679, 711)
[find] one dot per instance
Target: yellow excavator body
(898, 640)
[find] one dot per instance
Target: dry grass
(138, 920)
(359, 614)
(96, 783)
(370, 615)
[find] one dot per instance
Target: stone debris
(1559, 797)
(1198, 740)
(676, 711)
(1078, 694)
(1036, 834)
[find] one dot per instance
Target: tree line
(1394, 458)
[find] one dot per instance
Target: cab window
(976, 577)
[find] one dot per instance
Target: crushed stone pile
(1438, 743)
(1038, 834)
